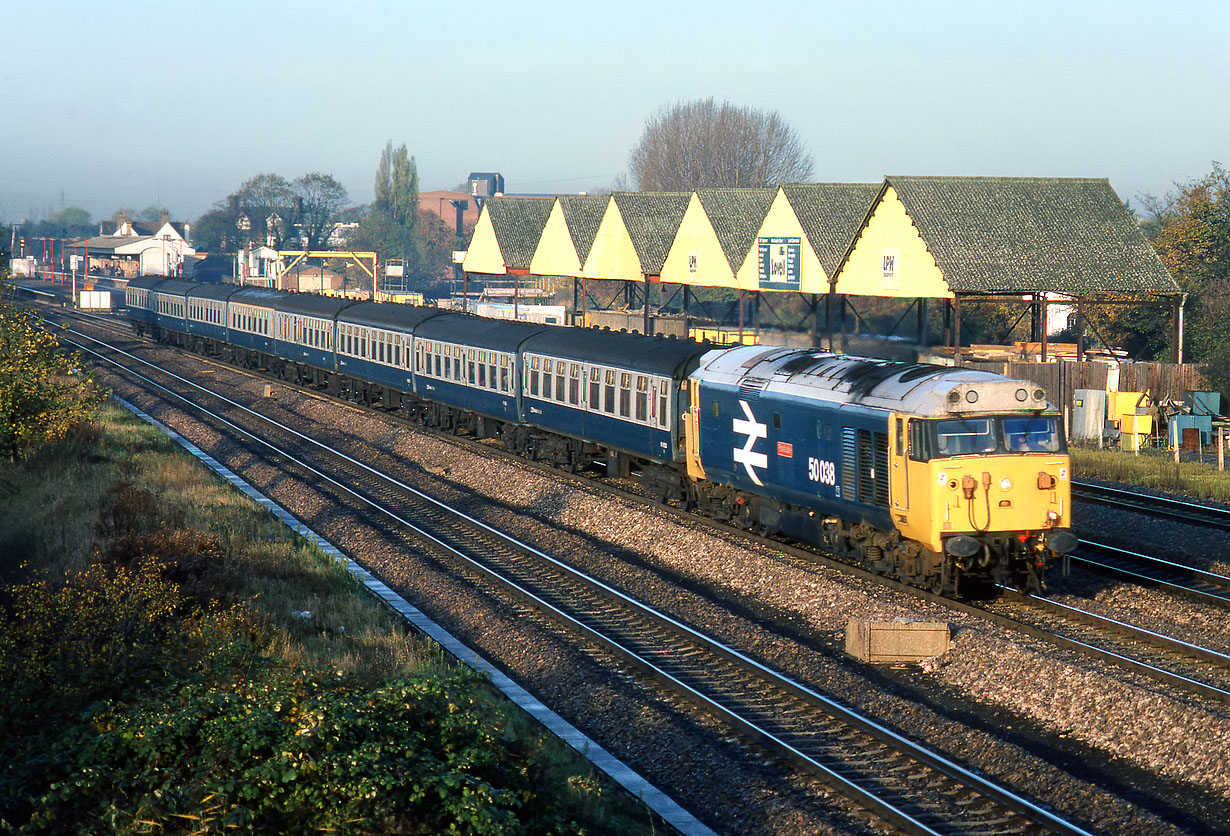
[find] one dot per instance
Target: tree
(393, 227)
(318, 199)
(69, 222)
(1193, 241)
(42, 395)
(260, 198)
(151, 213)
(701, 144)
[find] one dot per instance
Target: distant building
(485, 184)
(132, 248)
(444, 205)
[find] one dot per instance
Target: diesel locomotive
(934, 475)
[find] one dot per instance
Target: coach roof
(653, 355)
(310, 304)
(477, 331)
(387, 315)
(220, 292)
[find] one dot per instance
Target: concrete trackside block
(896, 642)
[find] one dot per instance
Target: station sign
(780, 264)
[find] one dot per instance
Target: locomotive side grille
(849, 464)
(751, 387)
(881, 472)
(864, 465)
(865, 460)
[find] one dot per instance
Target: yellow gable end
(483, 254)
(781, 222)
(890, 259)
(695, 256)
(612, 256)
(556, 255)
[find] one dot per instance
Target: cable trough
(897, 780)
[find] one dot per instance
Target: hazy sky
(124, 105)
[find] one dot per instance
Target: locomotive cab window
(1031, 433)
(948, 437)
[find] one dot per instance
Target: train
(944, 478)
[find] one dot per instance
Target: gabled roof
(830, 214)
(583, 215)
(1030, 234)
(517, 223)
(652, 219)
(736, 216)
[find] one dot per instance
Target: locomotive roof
(311, 304)
(387, 315)
(916, 388)
(477, 331)
(213, 290)
(654, 355)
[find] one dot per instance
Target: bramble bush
(292, 752)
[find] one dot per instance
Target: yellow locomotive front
(987, 485)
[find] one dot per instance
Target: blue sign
(780, 265)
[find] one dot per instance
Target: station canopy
(907, 237)
(940, 237)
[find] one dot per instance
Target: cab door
(899, 477)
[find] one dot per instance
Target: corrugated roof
(736, 216)
(652, 219)
(830, 214)
(583, 215)
(1030, 234)
(518, 223)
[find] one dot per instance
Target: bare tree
(700, 144)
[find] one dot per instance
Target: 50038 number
(819, 470)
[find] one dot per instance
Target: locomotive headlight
(1052, 515)
(1005, 484)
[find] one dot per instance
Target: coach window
(608, 394)
(625, 395)
(595, 378)
(663, 416)
(574, 384)
(642, 398)
(546, 380)
(533, 376)
(473, 375)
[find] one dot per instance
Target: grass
(1153, 469)
(118, 523)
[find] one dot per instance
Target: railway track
(898, 781)
(1188, 667)
(1166, 507)
(1177, 578)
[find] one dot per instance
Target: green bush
(289, 754)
